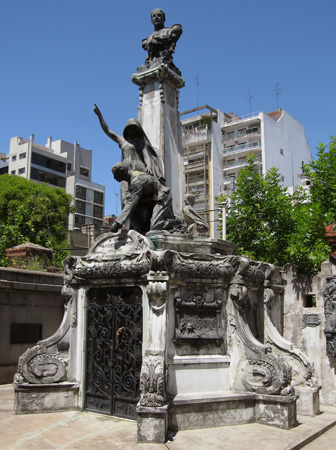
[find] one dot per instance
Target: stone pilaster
(160, 119)
(152, 407)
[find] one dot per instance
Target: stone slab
(276, 411)
(45, 398)
(191, 244)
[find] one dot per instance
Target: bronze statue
(196, 224)
(148, 204)
(137, 152)
(160, 45)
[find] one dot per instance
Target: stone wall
(26, 298)
(304, 324)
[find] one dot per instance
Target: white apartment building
(63, 165)
(216, 149)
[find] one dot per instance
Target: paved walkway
(81, 430)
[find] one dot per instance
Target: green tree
(35, 213)
(313, 210)
(259, 215)
(269, 224)
(321, 173)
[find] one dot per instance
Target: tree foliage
(271, 225)
(35, 213)
(259, 218)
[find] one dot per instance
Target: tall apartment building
(63, 165)
(216, 145)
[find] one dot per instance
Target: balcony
(238, 148)
(238, 163)
(196, 135)
(241, 133)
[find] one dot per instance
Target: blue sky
(59, 57)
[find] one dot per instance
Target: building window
(22, 155)
(79, 220)
(98, 197)
(98, 211)
(80, 207)
(69, 167)
(25, 333)
(192, 126)
(81, 192)
(84, 171)
(47, 177)
(282, 178)
(48, 163)
(22, 170)
(14, 158)
(13, 172)
(281, 151)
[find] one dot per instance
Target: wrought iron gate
(113, 355)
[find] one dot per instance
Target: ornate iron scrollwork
(114, 344)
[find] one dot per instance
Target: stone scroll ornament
(302, 368)
(153, 380)
(329, 296)
(47, 361)
(258, 370)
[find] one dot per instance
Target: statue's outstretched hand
(96, 110)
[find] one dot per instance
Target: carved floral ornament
(153, 380)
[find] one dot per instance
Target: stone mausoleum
(161, 323)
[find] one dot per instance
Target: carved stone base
(44, 398)
(276, 411)
(152, 424)
(190, 411)
(308, 403)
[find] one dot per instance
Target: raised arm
(115, 137)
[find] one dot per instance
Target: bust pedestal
(158, 114)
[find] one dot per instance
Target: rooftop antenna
(249, 97)
(197, 77)
(116, 196)
(278, 90)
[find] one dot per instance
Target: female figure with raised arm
(137, 152)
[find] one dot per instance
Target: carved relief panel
(199, 317)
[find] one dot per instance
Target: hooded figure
(137, 152)
(135, 137)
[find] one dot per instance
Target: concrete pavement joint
(313, 436)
